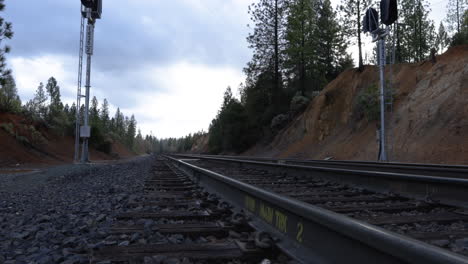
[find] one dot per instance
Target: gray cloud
(123, 41)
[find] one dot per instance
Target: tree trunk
(303, 71)
(360, 64)
(458, 18)
(276, 55)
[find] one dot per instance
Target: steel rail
(459, 171)
(315, 235)
(446, 190)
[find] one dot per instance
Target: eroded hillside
(26, 142)
(429, 121)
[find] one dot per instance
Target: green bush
(36, 137)
(8, 127)
(298, 104)
(105, 146)
(23, 140)
(367, 104)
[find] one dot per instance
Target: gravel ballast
(59, 215)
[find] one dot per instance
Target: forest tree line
(46, 109)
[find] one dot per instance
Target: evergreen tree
(228, 131)
(72, 113)
(301, 59)
(418, 37)
(461, 37)
(9, 99)
(131, 132)
(55, 106)
(119, 123)
(332, 55)
(94, 116)
(6, 32)
(37, 106)
(352, 12)
(105, 115)
(267, 42)
(442, 40)
(454, 18)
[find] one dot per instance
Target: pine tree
(94, 112)
(461, 38)
(72, 113)
(105, 115)
(352, 12)
(332, 55)
(442, 40)
(419, 34)
(267, 42)
(454, 18)
(301, 59)
(55, 106)
(119, 123)
(6, 32)
(9, 99)
(131, 132)
(38, 103)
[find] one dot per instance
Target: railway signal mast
(91, 10)
(388, 15)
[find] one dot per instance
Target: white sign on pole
(85, 131)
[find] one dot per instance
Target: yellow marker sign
(266, 213)
(300, 230)
(250, 203)
(281, 222)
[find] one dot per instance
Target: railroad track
(441, 170)
(312, 212)
(176, 221)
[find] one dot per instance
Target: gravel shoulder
(58, 214)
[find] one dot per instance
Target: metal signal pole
(85, 129)
(78, 94)
(383, 151)
(389, 14)
(90, 11)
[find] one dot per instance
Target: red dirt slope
(55, 150)
(429, 123)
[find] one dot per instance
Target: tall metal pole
(383, 152)
(89, 52)
(78, 94)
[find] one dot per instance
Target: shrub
(279, 122)
(36, 137)
(8, 127)
(367, 103)
(298, 103)
(23, 140)
(105, 146)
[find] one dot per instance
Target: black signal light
(96, 7)
(388, 11)
(370, 22)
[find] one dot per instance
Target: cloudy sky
(166, 61)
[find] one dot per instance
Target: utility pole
(90, 11)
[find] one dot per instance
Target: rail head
(391, 175)
(359, 240)
(348, 162)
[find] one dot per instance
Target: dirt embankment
(429, 121)
(23, 142)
